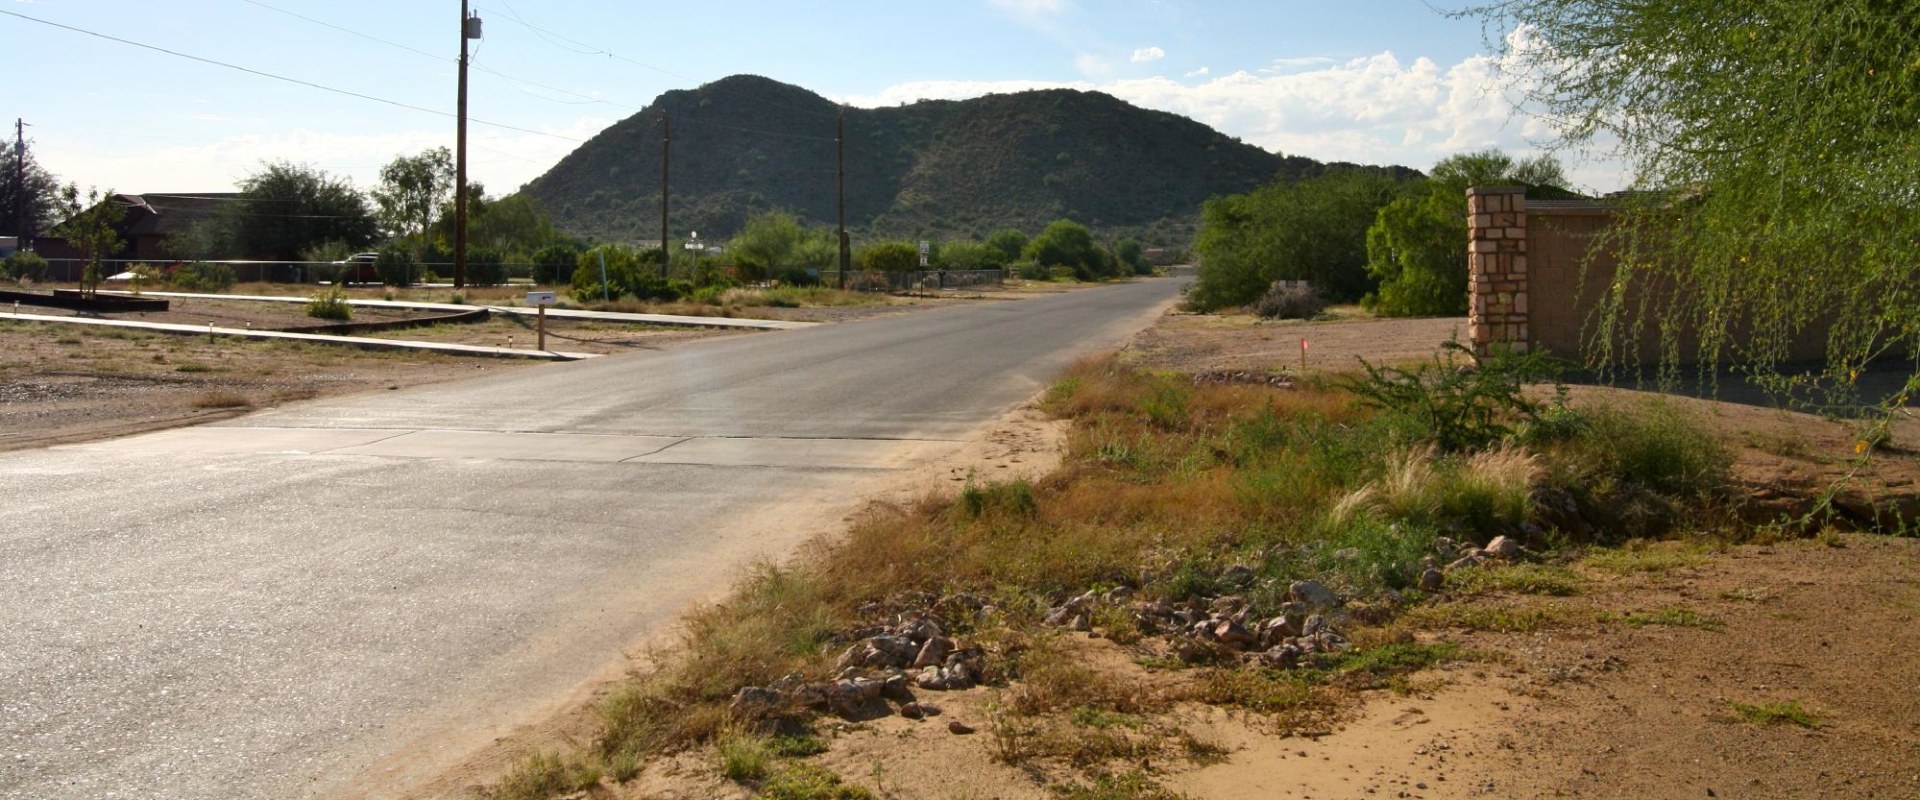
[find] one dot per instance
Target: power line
(284, 78)
(367, 36)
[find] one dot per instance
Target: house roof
(164, 214)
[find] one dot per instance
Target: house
(149, 222)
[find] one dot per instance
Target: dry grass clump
(1165, 486)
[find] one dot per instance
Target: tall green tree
(1417, 245)
(1777, 144)
(1009, 242)
(287, 209)
(1065, 243)
(413, 189)
(26, 206)
(1314, 230)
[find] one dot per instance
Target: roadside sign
(925, 249)
(542, 298)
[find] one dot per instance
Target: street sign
(925, 249)
(542, 298)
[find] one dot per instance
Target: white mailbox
(542, 298)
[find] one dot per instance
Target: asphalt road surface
(273, 606)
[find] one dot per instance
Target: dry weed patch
(1238, 539)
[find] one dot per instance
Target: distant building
(150, 221)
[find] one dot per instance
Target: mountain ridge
(933, 168)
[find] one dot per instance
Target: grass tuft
(1786, 712)
(1673, 617)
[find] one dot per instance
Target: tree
(767, 243)
(1776, 146)
(28, 206)
(1417, 245)
(413, 189)
(1066, 243)
(1132, 257)
(90, 229)
(516, 225)
(971, 255)
(288, 208)
(1009, 242)
(1314, 230)
(890, 257)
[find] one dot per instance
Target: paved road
(265, 607)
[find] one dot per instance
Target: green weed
(1672, 616)
(1786, 712)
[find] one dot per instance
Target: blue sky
(1372, 81)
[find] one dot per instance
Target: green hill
(935, 168)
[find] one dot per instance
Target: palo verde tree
(30, 197)
(1417, 245)
(91, 227)
(413, 189)
(1777, 144)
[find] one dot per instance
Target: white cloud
(1379, 109)
(1147, 54)
(1200, 73)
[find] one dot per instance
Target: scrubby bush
(971, 255)
(330, 304)
(795, 276)
(889, 257)
(1456, 406)
(201, 276)
(395, 266)
(555, 263)
(1032, 271)
(629, 273)
(1290, 302)
(486, 266)
(26, 265)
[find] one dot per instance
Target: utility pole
(666, 161)
(24, 239)
(469, 29)
(840, 176)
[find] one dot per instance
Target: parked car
(356, 268)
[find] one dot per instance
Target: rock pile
(885, 665)
(1213, 629)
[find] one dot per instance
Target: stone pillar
(1497, 269)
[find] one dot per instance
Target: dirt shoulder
(1681, 668)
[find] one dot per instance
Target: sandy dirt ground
(1632, 687)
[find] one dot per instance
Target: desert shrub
(1456, 407)
(629, 273)
(330, 304)
(1658, 447)
(395, 266)
(1031, 271)
(889, 257)
(555, 263)
(26, 265)
(1289, 302)
(201, 276)
(486, 266)
(795, 276)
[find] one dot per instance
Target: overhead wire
(296, 81)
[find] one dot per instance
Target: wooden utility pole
(666, 161)
(840, 178)
(460, 164)
(25, 238)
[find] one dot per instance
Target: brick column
(1497, 268)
